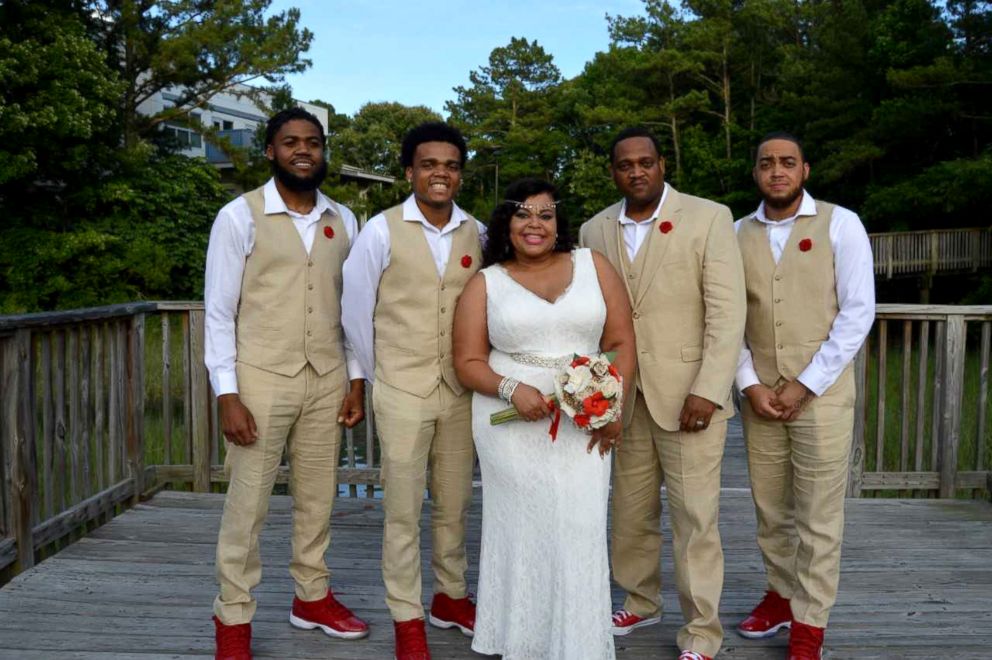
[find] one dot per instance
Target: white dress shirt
(635, 231)
(232, 240)
(366, 263)
(855, 281)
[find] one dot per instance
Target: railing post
(199, 393)
(950, 421)
(135, 404)
(856, 474)
(19, 456)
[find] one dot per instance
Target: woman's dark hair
(498, 247)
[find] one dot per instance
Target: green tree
(195, 49)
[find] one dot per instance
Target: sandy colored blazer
(686, 287)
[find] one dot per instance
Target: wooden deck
(916, 583)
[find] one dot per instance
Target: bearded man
(280, 368)
(810, 305)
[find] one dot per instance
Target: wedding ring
(700, 422)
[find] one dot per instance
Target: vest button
(631, 275)
(309, 310)
(309, 333)
(780, 346)
(636, 315)
(778, 300)
(310, 263)
(442, 333)
(444, 309)
(442, 287)
(778, 323)
(310, 286)
(778, 277)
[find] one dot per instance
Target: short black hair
(498, 247)
(431, 131)
(633, 132)
(283, 117)
(781, 135)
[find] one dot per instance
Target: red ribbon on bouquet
(553, 431)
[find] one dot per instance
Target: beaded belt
(535, 360)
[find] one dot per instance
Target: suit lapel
(658, 242)
(613, 243)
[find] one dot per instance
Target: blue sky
(416, 52)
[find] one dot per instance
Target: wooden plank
(921, 391)
(47, 428)
(907, 357)
(114, 412)
(883, 351)
(983, 395)
(938, 394)
(135, 404)
(167, 387)
(122, 381)
(954, 360)
(82, 512)
(99, 339)
(187, 456)
(59, 475)
(199, 393)
(85, 357)
(20, 465)
(856, 469)
(75, 435)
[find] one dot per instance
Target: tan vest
(790, 305)
(414, 310)
(290, 308)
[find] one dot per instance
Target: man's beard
(784, 202)
(299, 183)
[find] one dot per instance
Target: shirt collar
(412, 213)
(274, 203)
(806, 207)
(624, 220)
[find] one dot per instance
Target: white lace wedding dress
(544, 591)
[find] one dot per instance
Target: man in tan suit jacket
(680, 261)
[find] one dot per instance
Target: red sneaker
(233, 642)
(624, 622)
(329, 615)
(805, 642)
(448, 612)
(771, 615)
(692, 655)
(411, 640)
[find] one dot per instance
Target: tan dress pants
(298, 413)
(689, 464)
(416, 432)
(798, 480)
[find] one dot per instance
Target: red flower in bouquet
(805, 245)
(466, 261)
(665, 227)
(580, 361)
(595, 405)
(329, 232)
(582, 421)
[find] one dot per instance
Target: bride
(544, 576)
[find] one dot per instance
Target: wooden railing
(102, 406)
(922, 419)
(912, 253)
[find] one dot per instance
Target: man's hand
(696, 413)
(236, 420)
(763, 400)
(353, 407)
(793, 397)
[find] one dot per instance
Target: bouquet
(589, 390)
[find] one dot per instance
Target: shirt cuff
(355, 370)
(224, 382)
(746, 377)
(815, 380)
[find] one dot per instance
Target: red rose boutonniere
(665, 227)
(805, 245)
(466, 261)
(329, 232)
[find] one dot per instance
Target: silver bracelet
(506, 388)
